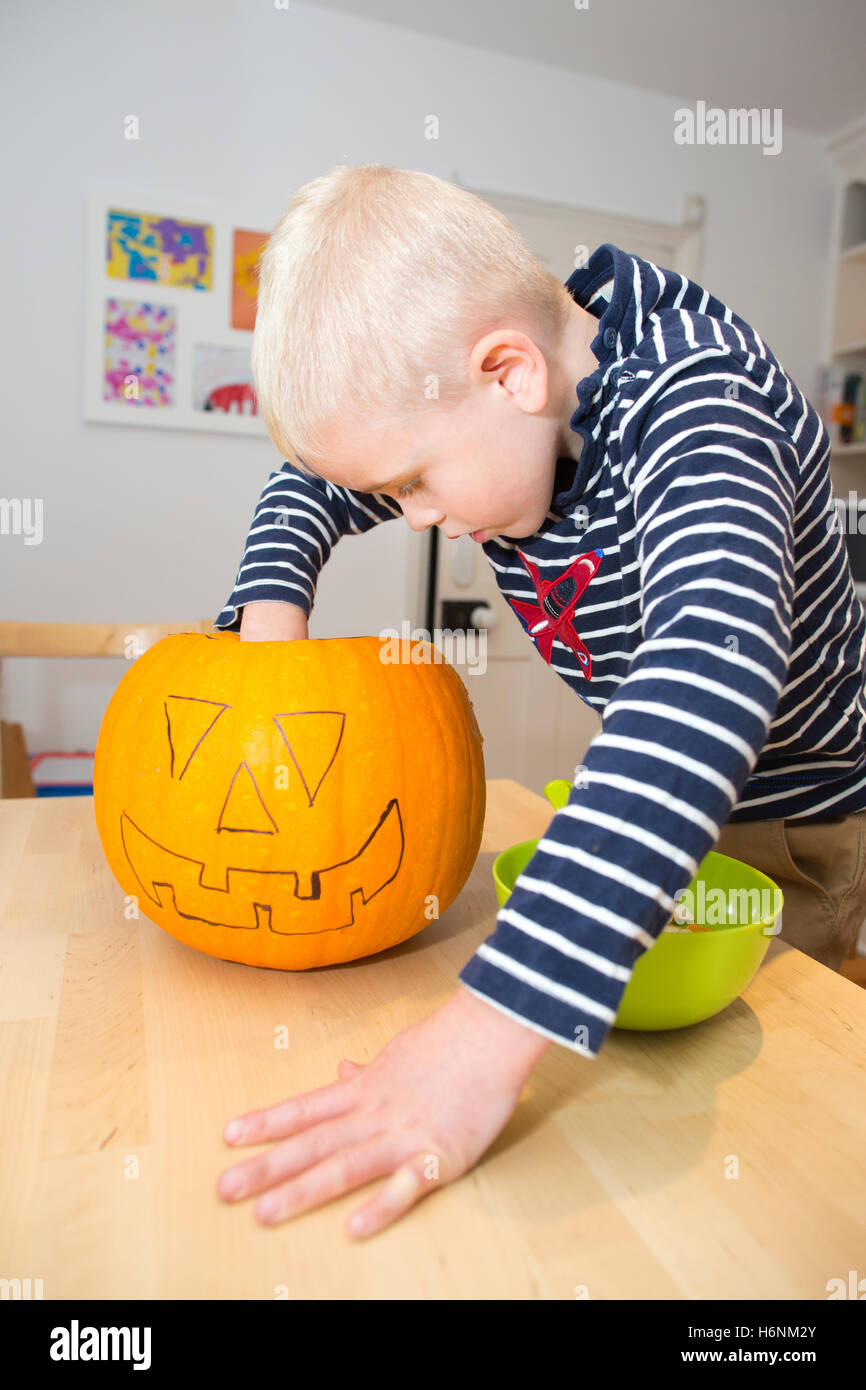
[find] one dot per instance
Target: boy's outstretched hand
(423, 1111)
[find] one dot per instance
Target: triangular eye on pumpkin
(313, 739)
(189, 720)
(380, 814)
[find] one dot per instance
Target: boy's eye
(405, 490)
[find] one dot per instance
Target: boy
(411, 351)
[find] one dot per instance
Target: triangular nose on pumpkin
(243, 808)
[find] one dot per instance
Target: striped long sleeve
(713, 481)
(297, 522)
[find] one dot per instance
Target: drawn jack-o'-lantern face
(288, 803)
(294, 753)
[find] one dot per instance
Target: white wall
(240, 103)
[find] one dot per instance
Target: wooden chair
(66, 640)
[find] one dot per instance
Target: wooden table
(726, 1160)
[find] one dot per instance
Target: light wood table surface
(726, 1160)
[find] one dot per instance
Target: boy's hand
(424, 1110)
(272, 622)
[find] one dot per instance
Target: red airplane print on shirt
(553, 615)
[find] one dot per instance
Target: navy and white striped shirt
(691, 583)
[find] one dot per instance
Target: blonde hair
(373, 288)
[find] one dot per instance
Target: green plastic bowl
(686, 976)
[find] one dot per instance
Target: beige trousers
(820, 867)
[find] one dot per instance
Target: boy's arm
(714, 483)
(297, 522)
(266, 621)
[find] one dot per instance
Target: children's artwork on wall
(139, 246)
(139, 353)
(170, 306)
(222, 379)
(247, 248)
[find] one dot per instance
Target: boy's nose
(423, 520)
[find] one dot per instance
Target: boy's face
(487, 464)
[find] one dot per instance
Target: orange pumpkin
(290, 804)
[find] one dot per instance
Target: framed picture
(170, 307)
